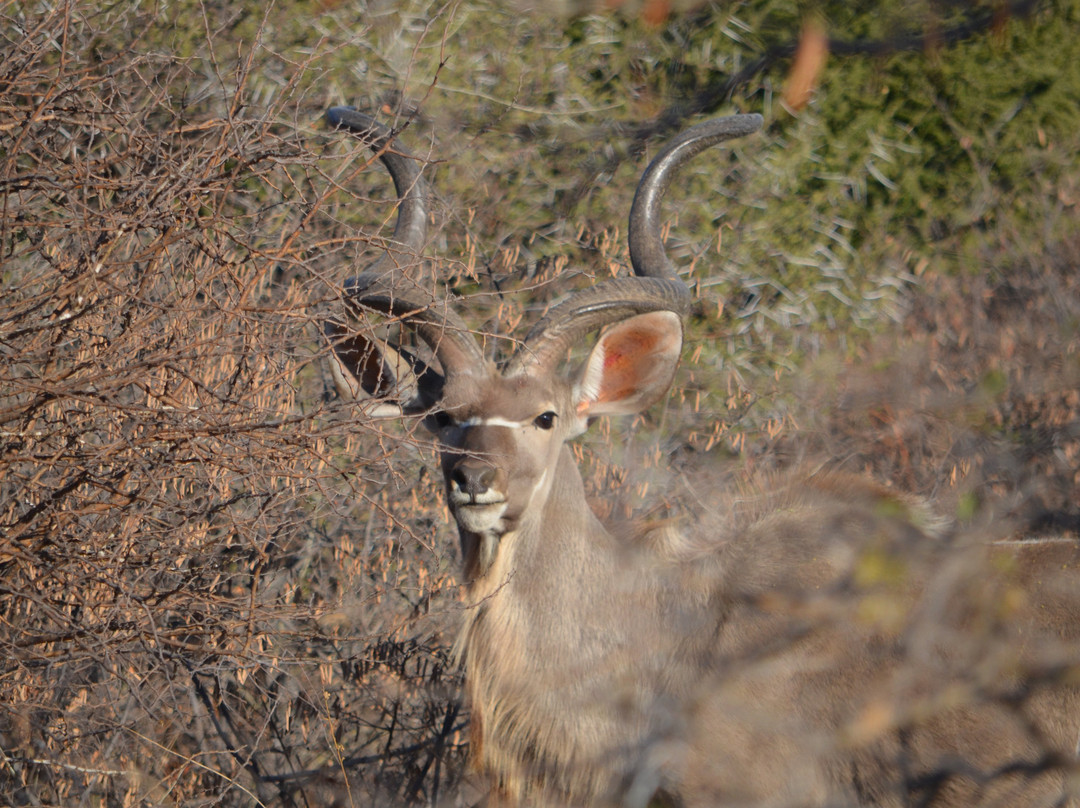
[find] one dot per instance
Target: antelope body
(734, 660)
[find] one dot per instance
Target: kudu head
(502, 427)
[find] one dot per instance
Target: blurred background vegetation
(221, 586)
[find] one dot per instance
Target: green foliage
(907, 161)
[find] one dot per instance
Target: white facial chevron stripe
(477, 421)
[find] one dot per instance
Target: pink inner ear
(632, 365)
(622, 353)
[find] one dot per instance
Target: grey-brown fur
(808, 640)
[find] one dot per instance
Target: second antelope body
(745, 657)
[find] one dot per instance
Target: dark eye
(442, 420)
(545, 420)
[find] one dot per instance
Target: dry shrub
(185, 616)
(972, 399)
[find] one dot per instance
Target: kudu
(805, 642)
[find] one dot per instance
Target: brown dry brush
(186, 616)
(973, 400)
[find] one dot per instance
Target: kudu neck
(557, 517)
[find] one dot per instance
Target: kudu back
(803, 640)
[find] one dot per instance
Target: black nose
(473, 478)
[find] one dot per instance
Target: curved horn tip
(345, 117)
(750, 122)
(333, 115)
(730, 126)
(754, 121)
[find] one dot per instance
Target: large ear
(366, 369)
(631, 366)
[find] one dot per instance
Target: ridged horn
(647, 254)
(382, 287)
(410, 230)
(657, 286)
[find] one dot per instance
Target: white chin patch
(480, 518)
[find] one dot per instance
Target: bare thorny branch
(168, 451)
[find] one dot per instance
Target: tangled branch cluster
(171, 473)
